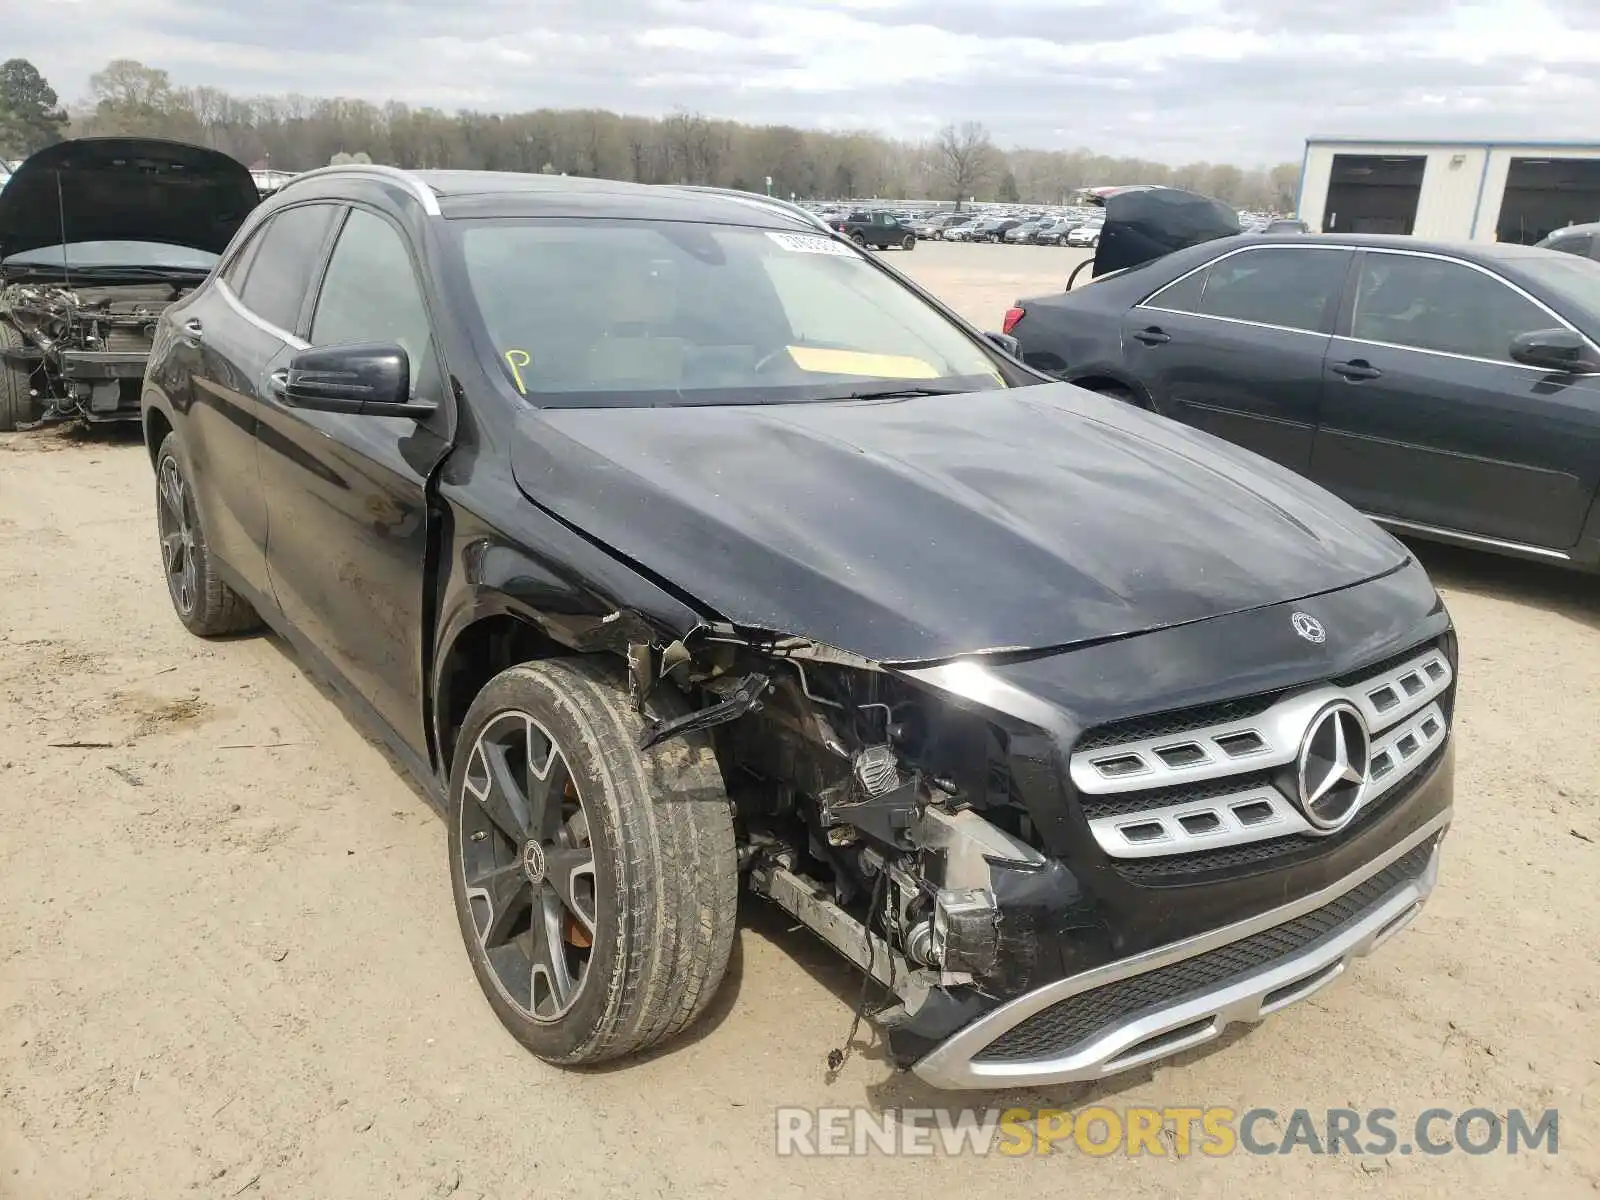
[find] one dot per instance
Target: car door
(346, 504)
(1426, 418)
(1236, 347)
(234, 338)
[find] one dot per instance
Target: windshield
(1575, 280)
(590, 313)
(84, 256)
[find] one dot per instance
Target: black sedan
(1448, 391)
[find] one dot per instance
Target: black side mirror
(1553, 349)
(1006, 342)
(371, 379)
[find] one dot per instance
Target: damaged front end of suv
(98, 237)
(1081, 799)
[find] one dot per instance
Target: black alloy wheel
(206, 606)
(528, 867)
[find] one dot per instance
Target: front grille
(1057, 1029)
(1181, 794)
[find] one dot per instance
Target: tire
(909, 242)
(17, 405)
(658, 911)
(1094, 242)
(206, 606)
(859, 239)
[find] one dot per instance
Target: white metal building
(1449, 191)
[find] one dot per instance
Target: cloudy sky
(1239, 80)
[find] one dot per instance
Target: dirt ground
(228, 962)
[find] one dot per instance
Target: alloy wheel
(528, 866)
(176, 523)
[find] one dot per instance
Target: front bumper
(1143, 1008)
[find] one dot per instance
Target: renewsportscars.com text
(1162, 1132)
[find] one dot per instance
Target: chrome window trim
(1560, 321)
(1209, 263)
(260, 323)
(1148, 302)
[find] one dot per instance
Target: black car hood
(1144, 222)
(921, 529)
(125, 190)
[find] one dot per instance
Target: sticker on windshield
(808, 243)
(516, 360)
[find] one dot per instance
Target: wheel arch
(1103, 379)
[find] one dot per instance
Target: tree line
(294, 132)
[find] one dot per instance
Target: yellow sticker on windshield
(858, 362)
(516, 360)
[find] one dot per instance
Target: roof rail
(423, 193)
(757, 198)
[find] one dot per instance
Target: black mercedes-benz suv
(678, 545)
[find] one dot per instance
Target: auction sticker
(805, 243)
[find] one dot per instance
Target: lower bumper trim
(1011, 1046)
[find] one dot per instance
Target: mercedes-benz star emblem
(533, 862)
(1308, 627)
(1333, 764)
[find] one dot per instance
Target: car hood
(125, 190)
(924, 528)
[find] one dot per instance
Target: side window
(1580, 244)
(1182, 295)
(1434, 304)
(370, 294)
(1292, 288)
(234, 276)
(291, 242)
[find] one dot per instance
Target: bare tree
(966, 158)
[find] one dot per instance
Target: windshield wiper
(894, 393)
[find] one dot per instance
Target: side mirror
(1006, 342)
(371, 379)
(1553, 349)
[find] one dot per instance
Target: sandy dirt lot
(228, 962)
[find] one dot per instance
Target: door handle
(193, 331)
(1356, 369)
(1153, 336)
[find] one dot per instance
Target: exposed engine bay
(880, 815)
(85, 347)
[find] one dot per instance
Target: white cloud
(1244, 80)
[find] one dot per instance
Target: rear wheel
(17, 406)
(859, 239)
(595, 885)
(206, 606)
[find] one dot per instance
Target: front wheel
(17, 405)
(595, 886)
(909, 242)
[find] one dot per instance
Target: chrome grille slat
(1402, 709)
(1280, 729)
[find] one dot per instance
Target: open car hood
(924, 528)
(1145, 221)
(125, 189)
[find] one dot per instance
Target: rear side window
(1182, 295)
(235, 274)
(1282, 286)
(290, 247)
